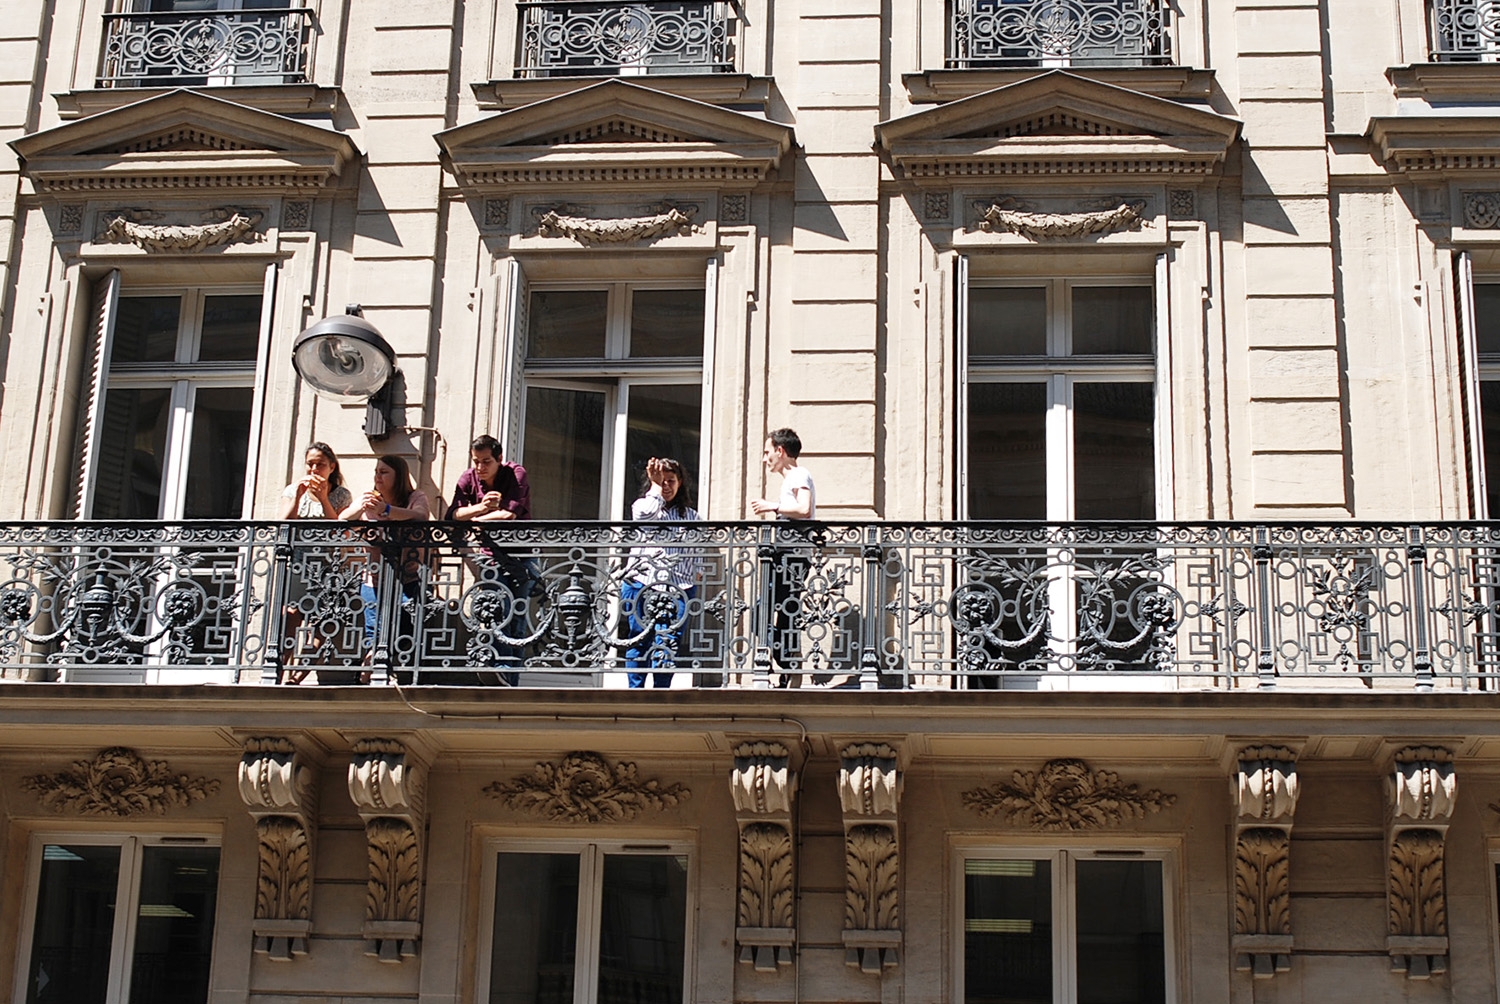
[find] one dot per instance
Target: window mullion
(590, 915)
(616, 477)
(1065, 920)
(179, 441)
(122, 947)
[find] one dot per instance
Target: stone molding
(118, 782)
(387, 783)
(280, 789)
(586, 788)
(1040, 226)
(1066, 795)
(1423, 794)
(1266, 792)
(869, 785)
(763, 786)
(232, 227)
(671, 221)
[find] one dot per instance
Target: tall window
(1487, 349)
(1065, 927)
(587, 924)
(173, 433)
(613, 377)
(121, 920)
(1060, 421)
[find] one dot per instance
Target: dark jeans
(663, 646)
(788, 570)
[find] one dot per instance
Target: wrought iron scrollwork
(609, 36)
(1030, 32)
(247, 46)
(1465, 30)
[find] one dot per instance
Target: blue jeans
(661, 648)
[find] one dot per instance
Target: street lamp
(346, 359)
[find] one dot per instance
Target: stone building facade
(1147, 359)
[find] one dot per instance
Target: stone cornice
(932, 86)
(279, 99)
(712, 88)
(1476, 82)
(1438, 145)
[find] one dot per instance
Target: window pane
(643, 929)
(1008, 932)
(217, 456)
(75, 918)
(146, 329)
(132, 452)
(1121, 953)
(664, 421)
(564, 453)
(231, 328)
(1007, 451)
(1114, 473)
(568, 324)
(174, 930)
(536, 929)
(1489, 425)
(1110, 320)
(1487, 318)
(666, 322)
(1007, 321)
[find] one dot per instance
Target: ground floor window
(1064, 927)
(121, 920)
(586, 924)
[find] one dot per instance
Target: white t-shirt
(791, 479)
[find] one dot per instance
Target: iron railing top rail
(163, 48)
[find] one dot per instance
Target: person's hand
(492, 501)
(315, 483)
(373, 503)
(762, 506)
(655, 471)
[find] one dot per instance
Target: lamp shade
(344, 357)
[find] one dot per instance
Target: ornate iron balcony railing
(1465, 30)
(1059, 33)
(560, 38)
(872, 605)
(230, 47)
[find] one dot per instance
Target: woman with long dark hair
(393, 498)
(318, 494)
(660, 580)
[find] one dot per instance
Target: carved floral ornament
(1012, 216)
(669, 221)
(281, 793)
(1066, 794)
(118, 782)
(1423, 795)
(869, 783)
(764, 789)
(221, 226)
(1266, 792)
(586, 788)
(1424, 787)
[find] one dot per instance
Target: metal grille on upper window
(1465, 31)
(986, 33)
(175, 43)
(611, 38)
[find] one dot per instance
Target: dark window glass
(218, 453)
(664, 421)
(568, 324)
(231, 328)
(1007, 451)
(146, 329)
(1489, 425)
(642, 932)
(1112, 320)
(1007, 932)
(1487, 318)
(1007, 321)
(1114, 447)
(132, 453)
(564, 455)
(666, 322)
(75, 920)
(1121, 947)
(533, 951)
(174, 930)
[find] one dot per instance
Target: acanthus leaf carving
(1418, 904)
(586, 788)
(1266, 792)
(118, 782)
(872, 866)
(281, 793)
(1008, 215)
(766, 891)
(1262, 876)
(764, 789)
(233, 226)
(1066, 794)
(670, 221)
(869, 784)
(388, 786)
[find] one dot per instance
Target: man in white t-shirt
(798, 500)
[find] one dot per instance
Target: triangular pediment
(159, 142)
(1058, 123)
(613, 132)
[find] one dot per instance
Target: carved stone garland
(118, 782)
(671, 221)
(388, 786)
(869, 793)
(281, 791)
(764, 788)
(586, 788)
(1422, 798)
(1054, 226)
(1066, 794)
(1266, 792)
(232, 227)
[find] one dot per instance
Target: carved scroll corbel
(764, 788)
(869, 793)
(1423, 794)
(281, 790)
(1266, 791)
(388, 786)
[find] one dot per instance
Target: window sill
(936, 86)
(1447, 83)
(280, 99)
(737, 89)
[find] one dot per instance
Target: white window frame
(184, 377)
(1064, 858)
(614, 374)
(591, 886)
(122, 947)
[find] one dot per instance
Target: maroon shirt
(510, 481)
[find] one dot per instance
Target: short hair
(336, 479)
(787, 440)
(486, 442)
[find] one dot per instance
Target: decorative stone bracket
(1266, 791)
(1422, 798)
(764, 788)
(388, 786)
(870, 793)
(281, 790)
